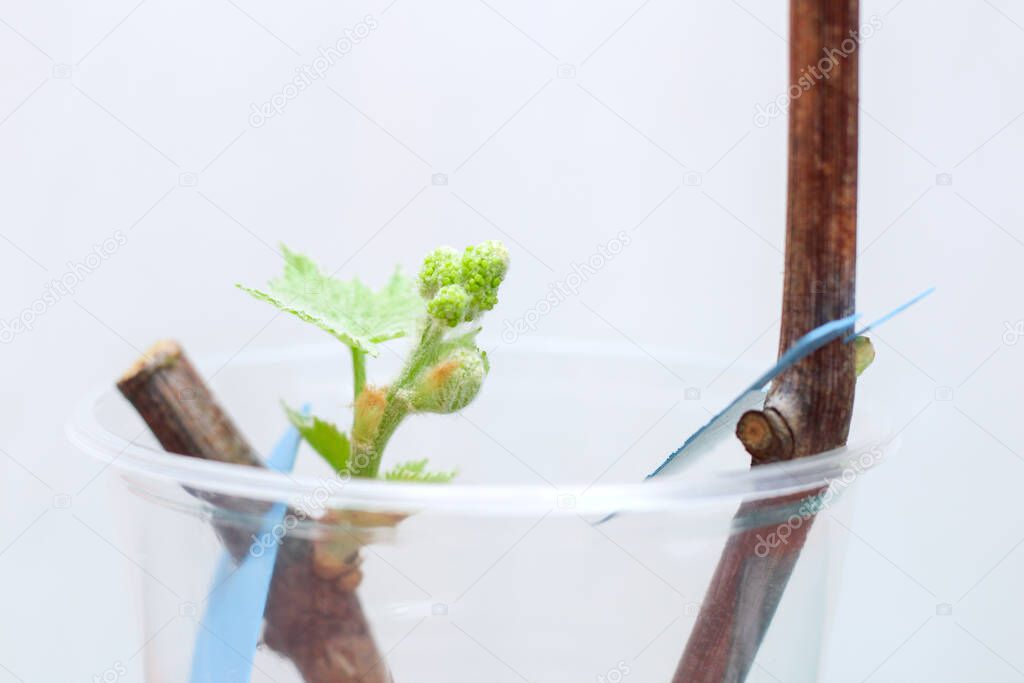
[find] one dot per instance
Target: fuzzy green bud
(450, 305)
(863, 354)
(368, 410)
(451, 384)
(441, 267)
(483, 268)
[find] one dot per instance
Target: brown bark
(809, 407)
(314, 617)
(813, 400)
(741, 599)
(313, 614)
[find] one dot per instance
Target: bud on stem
(451, 384)
(369, 409)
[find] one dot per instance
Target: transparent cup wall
(506, 576)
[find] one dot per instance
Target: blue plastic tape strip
(230, 630)
(724, 423)
(806, 345)
(705, 438)
(891, 314)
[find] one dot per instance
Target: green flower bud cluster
(450, 305)
(450, 384)
(459, 287)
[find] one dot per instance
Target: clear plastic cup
(507, 574)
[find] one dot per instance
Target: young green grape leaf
(349, 310)
(416, 471)
(324, 437)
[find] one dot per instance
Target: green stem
(393, 416)
(397, 406)
(358, 371)
(433, 332)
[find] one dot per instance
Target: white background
(134, 117)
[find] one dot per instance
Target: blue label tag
(723, 425)
(230, 630)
